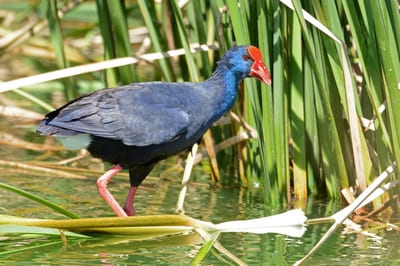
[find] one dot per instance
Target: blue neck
(226, 84)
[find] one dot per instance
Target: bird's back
(158, 119)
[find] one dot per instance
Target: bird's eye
(246, 57)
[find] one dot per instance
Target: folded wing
(134, 116)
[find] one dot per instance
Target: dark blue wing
(140, 115)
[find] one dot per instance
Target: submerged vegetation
(327, 127)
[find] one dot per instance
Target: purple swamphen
(137, 125)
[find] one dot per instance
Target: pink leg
(128, 207)
(102, 183)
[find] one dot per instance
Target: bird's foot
(129, 210)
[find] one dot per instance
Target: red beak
(258, 69)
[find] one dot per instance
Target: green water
(159, 197)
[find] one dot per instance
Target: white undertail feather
(76, 142)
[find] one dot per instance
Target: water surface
(159, 197)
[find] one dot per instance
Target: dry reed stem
(31, 167)
(11, 140)
(88, 68)
(12, 111)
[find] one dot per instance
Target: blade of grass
(239, 21)
(23, 229)
(391, 70)
(58, 45)
(52, 243)
(205, 249)
(34, 99)
(177, 15)
(222, 22)
(280, 107)
(199, 24)
(122, 43)
(105, 25)
(312, 140)
(147, 8)
(45, 202)
(104, 222)
(298, 132)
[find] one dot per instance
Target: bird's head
(246, 61)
